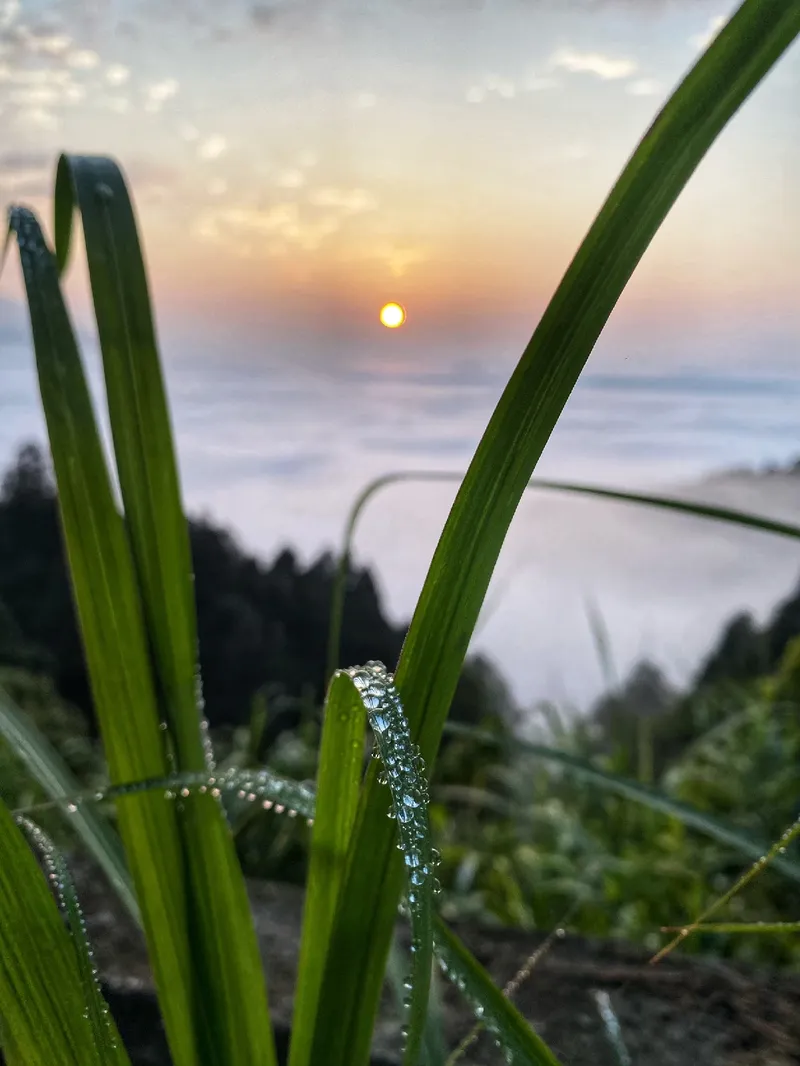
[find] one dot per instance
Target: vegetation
(130, 576)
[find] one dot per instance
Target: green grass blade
(272, 791)
(106, 1038)
(338, 784)
(231, 983)
(638, 793)
(55, 777)
(106, 595)
(434, 1048)
(42, 1005)
(739, 927)
(745, 519)
(433, 653)
(520, 1044)
(405, 774)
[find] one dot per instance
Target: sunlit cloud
(39, 117)
(156, 95)
(83, 59)
(188, 132)
(701, 41)
(241, 227)
(601, 66)
(213, 147)
(363, 101)
(217, 187)
(291, 179)
(117, 74)
(348, 201)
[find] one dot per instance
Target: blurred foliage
(522, 842)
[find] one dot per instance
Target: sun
(393, 315)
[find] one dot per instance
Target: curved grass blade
(231, 989)
(697, 510)
(274, 792)
(433, 653)
(48, 768)
(520, 1044)
(107, 599)
(42, 1004)
(745, 519)
(338, 783)
(638, 793)
(106, 1038)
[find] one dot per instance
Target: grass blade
(52, 773)
(405, 774)
(612, 1027)
(104, 1032)
(231, 987)
(638, 793)
(521, 1045)
(745, 519)
(274, 792)
(433, 653)
(338, 783)
(738, 927)
(42, 1003)
(106, 595)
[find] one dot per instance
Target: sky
(295, 164)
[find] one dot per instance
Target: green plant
(132, 586)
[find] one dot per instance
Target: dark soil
(680, 1011)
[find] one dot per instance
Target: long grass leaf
(105, 1036)
(729, 515)
(272, 791)
(521, 1045)
(637, 793)
(43, 1009)
(433, 653)
(57, 780)
(109, 611)
(226, 954)
(338, 782)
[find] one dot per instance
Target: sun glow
(392, 315)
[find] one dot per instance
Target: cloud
(23, 161)
(120, 105)
(212, 147)
(117, 74)
(492, 83)
(188, 132)
(157, 94)
(25, 173)
(279, 224)
(217, 187)
(645, 87)
(601, 66)
(38, 116)
(363, 101)
(83, 59)
(348, 201)
(701, 41)
(291, 179)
